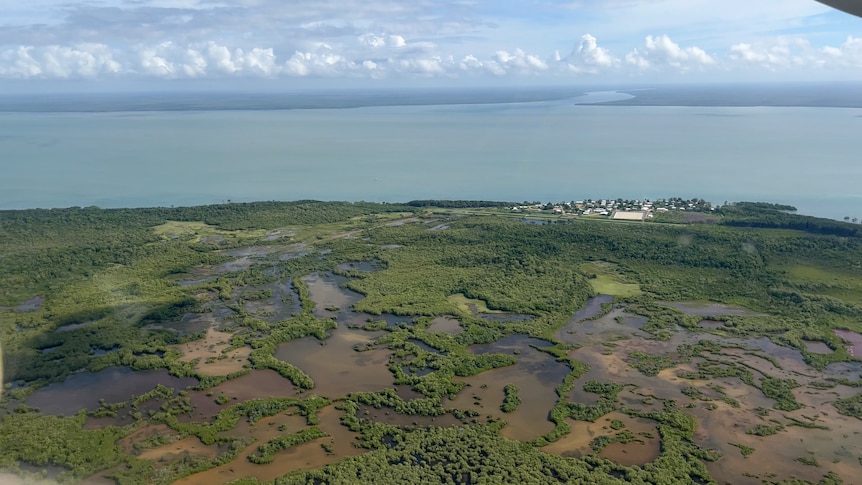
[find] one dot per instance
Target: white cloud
(588, 57)
(796, 53)
(661, 52)
(520, 62)
(59, 62)
(384, 55)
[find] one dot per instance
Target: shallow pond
(336, 368)
(817, 347)
(854, 338)
(326, 293)
(446, 325)
(536, 374)
(644, 449)
(711, 324)
(117, 384)
(283, 304)
(300, 457)
(257, 384)
(615, 326)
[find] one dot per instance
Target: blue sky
(56, 43)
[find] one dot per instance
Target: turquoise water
(548, 151)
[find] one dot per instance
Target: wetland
(332, 343)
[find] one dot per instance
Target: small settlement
(618, 209)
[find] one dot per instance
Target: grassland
(606, 280)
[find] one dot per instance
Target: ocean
(518, 149)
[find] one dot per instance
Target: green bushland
(266, 452)
(852, 406)
(108, 279)
(511, 401)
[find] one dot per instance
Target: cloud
(661, 52)
(380, 41)
(395, 56)
(785, 53)
(59, 62)
(588, 57)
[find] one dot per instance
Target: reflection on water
(328, 296)
(83, 391)
(592, 308)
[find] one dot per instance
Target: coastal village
(618, 209)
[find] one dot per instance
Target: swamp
(334, 342)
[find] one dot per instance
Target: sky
(57, 44)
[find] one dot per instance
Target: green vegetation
(852, 406)
(267, 451)
(82, 290)
(511, 401)
(745, 450)
(53, 440)
(606, 279)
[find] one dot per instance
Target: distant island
(801, 95)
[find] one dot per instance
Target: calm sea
(547, 151)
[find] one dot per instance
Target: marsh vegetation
(333, 342)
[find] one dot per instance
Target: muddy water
(336, 368)
(592, 308)
(854, 338)
(617, 326)
(847, 370)
(300, 457)
(645, 449)
(117, 384)
(283, 304)
(257, 384)
(536, 374)
(719, 423)
(326, 292)
(817, 347)
(711, 324)
(446, 325)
